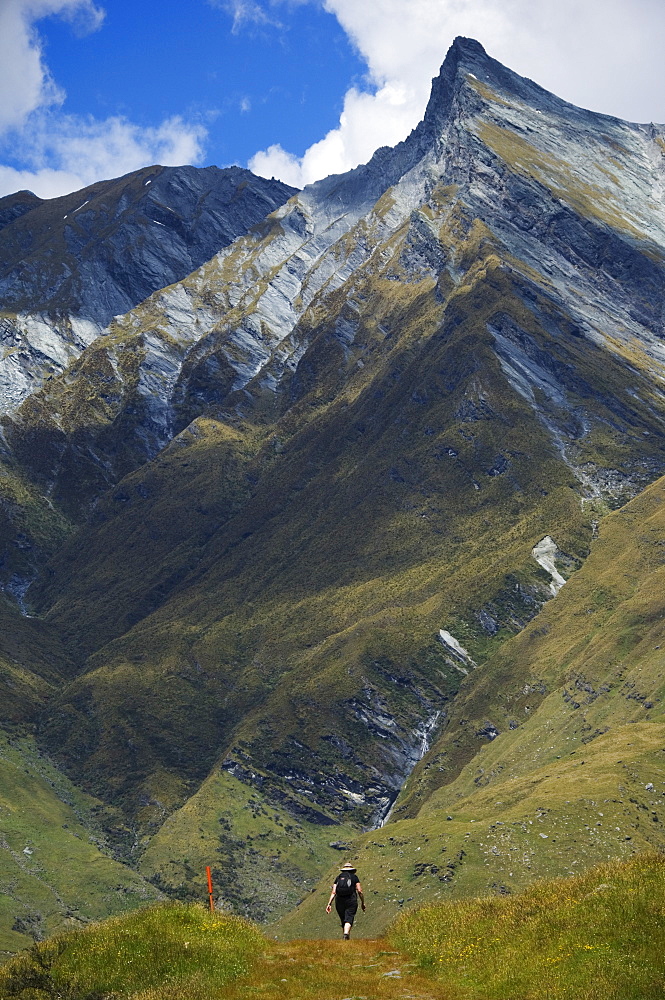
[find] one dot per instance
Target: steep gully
(544, 553)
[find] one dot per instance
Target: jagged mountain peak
(465, 55)
(470, 84)
(467, 61)
(360, 187)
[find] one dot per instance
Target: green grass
(511, 825)
(169, 952)
(577, 699)
(55, 867)
(592, 661)
(264, 860)
(600, 936)
(31, 526)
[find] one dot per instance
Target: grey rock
(69, 264)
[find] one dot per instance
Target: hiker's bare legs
(347, 929)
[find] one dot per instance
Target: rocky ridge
(69, 264)
(544, 177)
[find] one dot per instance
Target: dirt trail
(336, 970)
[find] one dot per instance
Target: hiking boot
(346, 937)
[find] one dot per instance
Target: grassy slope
(566, 788)
(69, 876)
(558, 819)
(593, 659)
(54, 865)
(263, 859)
(167, 952)
(32, 663)
(31, 527)
(148, 534)
(596, 936)
(274, 594)
(269, 632)
(590, 937)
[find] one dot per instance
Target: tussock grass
(170, 951)
(598, 935)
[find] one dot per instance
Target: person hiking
(345, 891)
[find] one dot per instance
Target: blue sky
(292, 88)
(282, 81)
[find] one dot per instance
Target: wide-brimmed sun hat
(348, 868)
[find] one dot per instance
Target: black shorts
(347, 907)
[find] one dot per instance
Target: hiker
(345, 891)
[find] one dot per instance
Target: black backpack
(346, 884)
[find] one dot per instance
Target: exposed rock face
(317, 471)
(69, 264)
(547, 185)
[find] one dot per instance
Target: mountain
(69, 264)
(307, 508)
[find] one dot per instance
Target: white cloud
(64, 153)
(57, 152)
(601, 54)
(25, 83)
(245, 12)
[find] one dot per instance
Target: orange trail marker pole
(212, 905)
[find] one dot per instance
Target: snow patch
(544, 553)
(451, 645)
